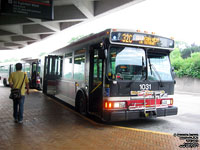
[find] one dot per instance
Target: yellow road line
(143, 130)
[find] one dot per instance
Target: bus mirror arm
(101, 53)
(173, 73)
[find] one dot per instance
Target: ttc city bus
(7, 68)
(115, 75)
(32, 67)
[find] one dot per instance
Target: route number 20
(145, 86)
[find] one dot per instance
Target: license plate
(134, 93)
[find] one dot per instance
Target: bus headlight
(119, 104)
(167, 102)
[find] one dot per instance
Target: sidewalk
(49, 125)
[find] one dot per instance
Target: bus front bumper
(136, 114)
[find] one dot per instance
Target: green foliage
(189, 66)
(188, 51)
(181, 44)
(176, 59)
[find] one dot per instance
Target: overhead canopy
(19, 31)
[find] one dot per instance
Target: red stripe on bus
(33, 2)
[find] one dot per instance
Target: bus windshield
(159, 67)
(127, 63)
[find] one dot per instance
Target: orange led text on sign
(150, 41)
(127, 38)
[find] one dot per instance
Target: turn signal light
(108, 105)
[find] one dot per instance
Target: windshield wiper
(142, 66)
(152, 66)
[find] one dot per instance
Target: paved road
(187, 120)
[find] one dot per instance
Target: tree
(188, 51)
(189, 66)
(176, 59)
(181, 45)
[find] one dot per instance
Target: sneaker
(15, 120)
(20, 122)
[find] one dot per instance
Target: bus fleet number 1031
(145, 87)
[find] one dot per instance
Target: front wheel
(81, 104)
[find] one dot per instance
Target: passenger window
(97, 75)
(79, 67)
(59, 66)
(50, 66)
(67, 69)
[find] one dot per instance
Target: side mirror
(172, 69)
(173, 73)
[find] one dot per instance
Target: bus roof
(128, 37)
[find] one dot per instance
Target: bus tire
(81, 103)
(5, 82)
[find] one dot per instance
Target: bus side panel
(65, 91)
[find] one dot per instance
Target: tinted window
(79, 67)
(127, 63)
(67, 69)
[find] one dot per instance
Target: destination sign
(42, 9)
(141, 39)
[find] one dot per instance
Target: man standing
(15, 81)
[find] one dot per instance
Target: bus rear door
(52, 72)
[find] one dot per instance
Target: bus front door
(96, 82)
(52, 72)
(34, 71)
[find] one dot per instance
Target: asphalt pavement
(186, 121)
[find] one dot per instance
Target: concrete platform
(50, 125)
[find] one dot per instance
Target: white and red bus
(31, 66)
(115, 75)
